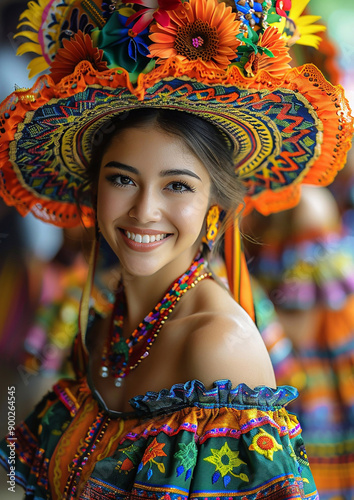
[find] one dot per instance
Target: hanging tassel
(237, 271)
(80, 352)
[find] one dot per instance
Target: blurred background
(303, 278)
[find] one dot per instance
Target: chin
(141, 267)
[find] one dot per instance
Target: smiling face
(153, 195)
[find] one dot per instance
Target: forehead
(149, 147)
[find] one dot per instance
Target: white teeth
(145, 238)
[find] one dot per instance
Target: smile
(145, 238)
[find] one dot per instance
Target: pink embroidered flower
(154, 9)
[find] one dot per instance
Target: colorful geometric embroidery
(269, 162)
(265, 444)
(225, 460)
(260, 163)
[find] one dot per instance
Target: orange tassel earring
(213, 220)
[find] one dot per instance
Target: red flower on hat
(272, 40)
(281, 6)
(198, 31)
(78, 48)
(154, 9)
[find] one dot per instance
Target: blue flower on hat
(251, 13)
(122, 46)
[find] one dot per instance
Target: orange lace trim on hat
(327, 100)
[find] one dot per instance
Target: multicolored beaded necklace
(121, 355)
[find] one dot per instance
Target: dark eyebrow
(177, 171)
(163, 173)
(122, 166)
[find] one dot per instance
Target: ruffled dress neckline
(194, 394)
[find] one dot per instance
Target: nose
(146, 206)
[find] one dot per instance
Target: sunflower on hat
(215, 33)
(198, 31)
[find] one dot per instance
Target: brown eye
(177, 186)
(120, 180)
(124, 179)
(180, 187)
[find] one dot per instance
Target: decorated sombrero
(227, 62)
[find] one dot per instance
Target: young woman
(174, 395)
(153, 196)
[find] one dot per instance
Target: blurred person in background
(306, 264)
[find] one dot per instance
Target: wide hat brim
(284, 131)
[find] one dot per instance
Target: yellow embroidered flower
(265, 444)
(224, 459)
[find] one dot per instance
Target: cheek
(191, 215)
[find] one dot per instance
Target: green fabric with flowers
(186, 442)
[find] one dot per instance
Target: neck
(144, 292)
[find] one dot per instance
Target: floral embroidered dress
(185, 442)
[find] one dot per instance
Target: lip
(142, 247)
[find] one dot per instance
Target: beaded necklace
(121, 355)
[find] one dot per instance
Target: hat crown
(254, 35)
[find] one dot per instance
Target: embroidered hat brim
(283, 131)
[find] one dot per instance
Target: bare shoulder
(224, 343)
